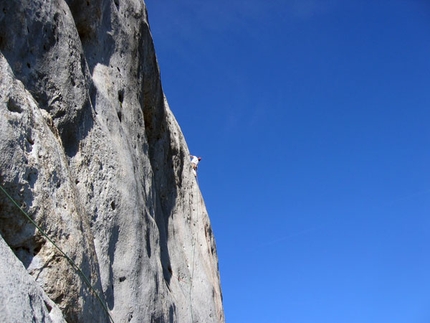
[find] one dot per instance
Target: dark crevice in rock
(121, 96)
(48, 306)
(119, 114)
(158, 135)
(13, 105)
(148, 243)
(28, 249)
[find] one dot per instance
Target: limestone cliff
(92, 153)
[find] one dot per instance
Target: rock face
(92, 153)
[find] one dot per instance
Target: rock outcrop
(92, 153)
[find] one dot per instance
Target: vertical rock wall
(90, 149)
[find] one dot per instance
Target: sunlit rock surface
(91, 151)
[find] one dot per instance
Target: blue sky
(312, 118)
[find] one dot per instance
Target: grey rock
(22, 298)
(92, 152)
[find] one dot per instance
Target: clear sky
(312, 118)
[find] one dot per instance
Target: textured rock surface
(28, 303)
(91, 150)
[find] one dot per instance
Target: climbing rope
(71, 262)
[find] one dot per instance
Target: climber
(194, 162)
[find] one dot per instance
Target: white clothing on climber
(194, 162)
